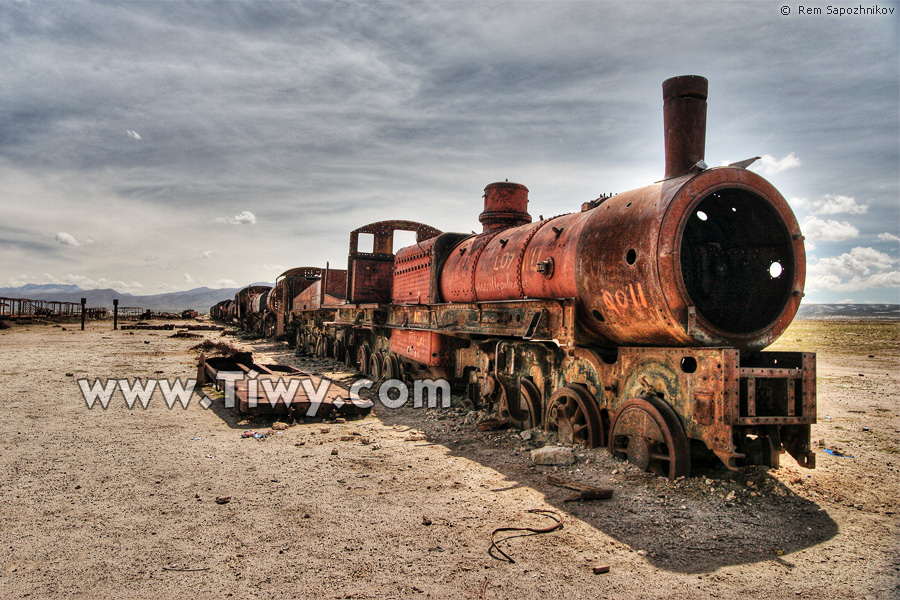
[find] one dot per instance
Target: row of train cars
(638, 323)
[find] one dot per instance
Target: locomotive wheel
(573, 415)
(348, 357)
(362, 359)
(523, 412)
(647, 433)
(391, 367)
(376, 366)
(320, 346)
(339, 351)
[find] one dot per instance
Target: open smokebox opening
(737, 261)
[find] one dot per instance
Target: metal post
(115, 313)
(83, 302)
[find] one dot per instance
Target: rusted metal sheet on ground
(272, 389)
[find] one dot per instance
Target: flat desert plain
(121, 503)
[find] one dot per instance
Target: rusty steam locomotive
(638, 323)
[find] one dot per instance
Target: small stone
(553, 455)
(601, 570)
(730, 497)
(642, 553)
(324, 429)
(279, 426)
(334, 451)
(223, 499)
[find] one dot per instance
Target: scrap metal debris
(585, 492)
(552, 514)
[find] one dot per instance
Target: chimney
(684, 119)
(505, 206)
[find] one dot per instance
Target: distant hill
(862, 312)
(200, 299)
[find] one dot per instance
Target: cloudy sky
(157, 146)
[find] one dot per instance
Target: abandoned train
(638, 323)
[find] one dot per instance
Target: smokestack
(684, 119)
(505, 205)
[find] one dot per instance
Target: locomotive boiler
(637, 323)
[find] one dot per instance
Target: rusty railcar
(298, 305)
(249, 308)
(638, 323)
(221, 311)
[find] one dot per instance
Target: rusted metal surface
(370, 274)
(505, 206)
(684, 120)
(636, 323)
(713, 257)
(413, 273)
(424, 347)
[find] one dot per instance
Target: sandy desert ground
(121, 503)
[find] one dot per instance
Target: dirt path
(122, 503)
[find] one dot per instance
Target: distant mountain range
(200, 299)
(862, 312)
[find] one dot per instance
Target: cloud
(206, 254)
(769, 165)
(190, 280)
(244, 217)
(888, 237)
(846, 301)
(828, 231)
(268, 267)
(860, 269)
(67, 239)
(225, 283)
(133, 134)
(832, 205)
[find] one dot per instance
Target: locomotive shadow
(681, 526)
(676, 526)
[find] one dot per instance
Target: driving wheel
(648, 434)
(572, 414)
(523, 411)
